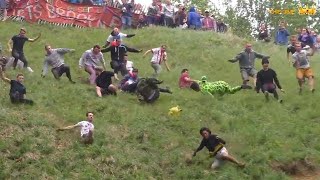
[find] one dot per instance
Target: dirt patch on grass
(301, 169)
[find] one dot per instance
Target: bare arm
(68, 127)
(165, 62)
(2, 76)
(10, 43)
(147, 52)
(33, 40)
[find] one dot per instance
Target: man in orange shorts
(303, 70)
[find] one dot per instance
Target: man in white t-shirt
(86, 128)
(116, 34)
(159, 55)
(129, 64)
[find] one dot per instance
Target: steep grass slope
(138, 141)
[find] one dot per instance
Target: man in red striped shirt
(159, 55)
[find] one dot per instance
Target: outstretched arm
(64, 50)
(33, 40)
(258, 55)
(129, 49)
(235, 59)
(201, 146)
(2, 76)
(10, 43)
(130, 35)
(68, 127)
(147, 52)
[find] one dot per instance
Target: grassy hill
(139, 141)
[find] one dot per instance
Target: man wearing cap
(246, 62)
(15, 46)
(267, 81)
(208, 23)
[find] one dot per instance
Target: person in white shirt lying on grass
(86, 129)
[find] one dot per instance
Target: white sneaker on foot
(29, 69)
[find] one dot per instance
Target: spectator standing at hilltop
(168, 11)
(3, 9)
(126, 17)
(208, 23)
(281, 36)
(194, 19)
(153, 10)
(263, 33)
(181, 17)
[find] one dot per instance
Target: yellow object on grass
(175, 111)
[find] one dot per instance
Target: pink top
(183, 83)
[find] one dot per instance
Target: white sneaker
(29, 69)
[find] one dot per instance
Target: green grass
(143, 141)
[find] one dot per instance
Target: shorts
(3, 4)
(87, 138)
(302, 73)
(218, 159)
(248, 72)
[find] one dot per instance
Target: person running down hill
(246, 62)
(267, 81)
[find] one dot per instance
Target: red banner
(58, 11)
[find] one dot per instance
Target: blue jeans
(126, 21)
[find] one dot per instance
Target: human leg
(92, 72)
(66, 69)
(98, 91)
(300, 77)
(309, 75)
(224, 155)
(245, 78)
(157, 69)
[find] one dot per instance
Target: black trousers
(15, 100)
(119, 66)
(19, 55)
(58, 71)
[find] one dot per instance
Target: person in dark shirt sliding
(267, 81)
(17, 90)
(104, 84)
(15, 46)
(216, 147)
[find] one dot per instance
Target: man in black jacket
(216, 148)
(117, 51)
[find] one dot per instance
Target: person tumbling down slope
(17, 90)
(216, 147)
(87, 128)
(54, 58)
(116, 34)
(246, 62)
(217, 87)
